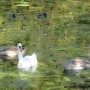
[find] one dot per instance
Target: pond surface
(48, 75)
(56, 32)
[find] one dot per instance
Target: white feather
(27, 61)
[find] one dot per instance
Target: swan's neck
(20, 55)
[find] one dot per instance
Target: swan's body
(77, 64)
(10, 53)
(27, 61)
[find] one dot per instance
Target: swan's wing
(25, 63)
(26, 58)
(32, 60)
(34, 55)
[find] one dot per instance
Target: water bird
(13, 16)
(10, 53)
(76, 64)
(27, 61)
(42, 15)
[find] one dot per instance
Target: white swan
(27, 61)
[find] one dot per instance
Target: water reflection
(24, 80)
(27, 70)
(71, 72)
(13, 78)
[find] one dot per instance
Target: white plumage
(27, 61)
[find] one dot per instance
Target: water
(63, 35)
(48, 75)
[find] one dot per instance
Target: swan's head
(20, 46)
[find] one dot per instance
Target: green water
(60, 36)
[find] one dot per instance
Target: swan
(10, 53)
(27, 61)
(77, 64)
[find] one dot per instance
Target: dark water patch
(79, 86)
